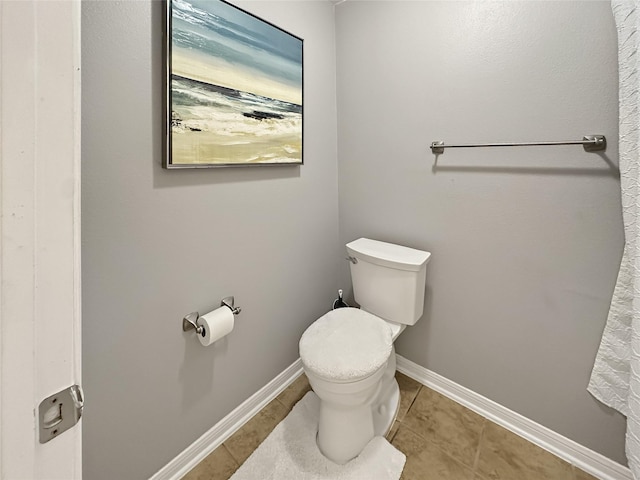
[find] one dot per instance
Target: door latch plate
(59, 412)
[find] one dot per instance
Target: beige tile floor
(442, 441)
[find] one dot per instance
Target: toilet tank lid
(388, 254)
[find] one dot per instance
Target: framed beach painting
(234, 88)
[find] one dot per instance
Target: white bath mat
(290, 453)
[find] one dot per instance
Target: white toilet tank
(389, 280)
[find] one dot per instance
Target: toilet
(348, 354)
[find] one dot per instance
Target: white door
(39, 231)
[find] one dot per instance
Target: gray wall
(159, 244)
(526, 242)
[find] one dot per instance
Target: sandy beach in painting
(211, 148)
(214, 124)
(235, 97)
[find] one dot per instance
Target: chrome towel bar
(591, 143)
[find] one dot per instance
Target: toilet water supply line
(339, 302)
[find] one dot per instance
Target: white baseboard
(221, 431)
(591, 462)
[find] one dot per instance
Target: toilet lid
(345, 345)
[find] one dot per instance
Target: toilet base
(343, 433)
(385, 414)
(387, 404)
(344, 430)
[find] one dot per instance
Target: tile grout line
(413, 400)
(477, 458)
(240, 463)
(286, 408)
(470, 467)
(390, 440)
(400, 424)
(442, 450)
(234, 459)
(231, 453)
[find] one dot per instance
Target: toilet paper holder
(190, 321)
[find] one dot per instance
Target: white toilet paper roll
(216, 324)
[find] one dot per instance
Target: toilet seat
(346, 345)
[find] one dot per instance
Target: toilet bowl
(345, 355)
(348, 354)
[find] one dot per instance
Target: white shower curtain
(615, 379)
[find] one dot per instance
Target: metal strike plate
(59, 412)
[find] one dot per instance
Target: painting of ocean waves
(214, 124)
(235, 88)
